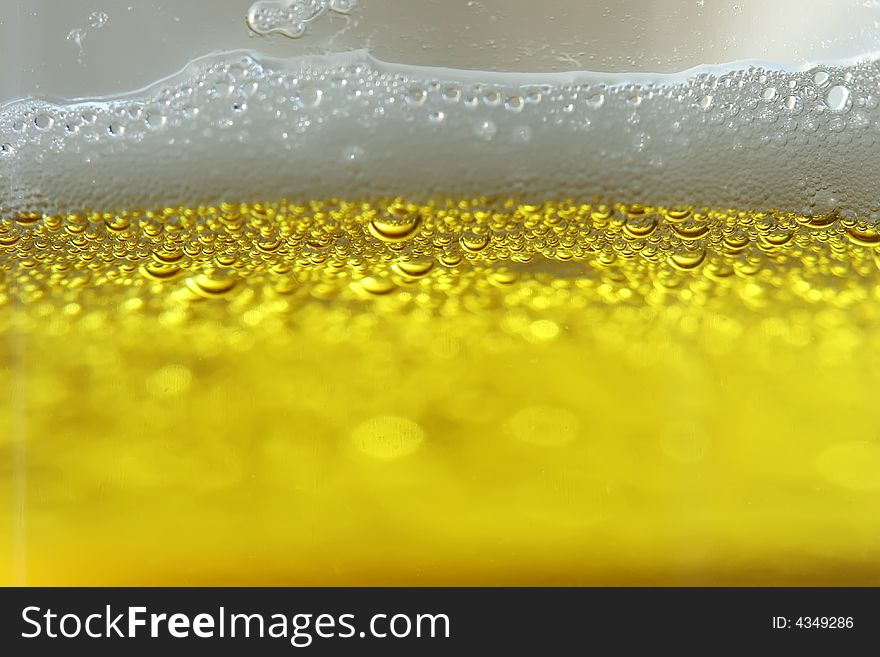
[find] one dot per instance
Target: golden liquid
(463, 391)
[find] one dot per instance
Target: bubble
(387, 437)
(98, 19)
(43, 121)
(415, 96)
(486, 129)
(169, 381)
(248, 89)
(212, 286)
(684, 442)
(470, 100)
(353, 154)
(375, 286)
(449, 259)
(223, 89)
(595, 100)
(821, 78)
(414, 268)
(641, 225)
(522, 134)
(190, 109)
(641, 140)
(837, 98)
(309, 96)
(678, 214)
(545, 426)
(514, 103)
(77, 35)
(290, 18)
(473, 242)
(533, 96)
(343, 6)
(492, 97)
(451, 93)
(867, 237)
(399, 224)
(544, 329)
(687, 259)
(160, 271)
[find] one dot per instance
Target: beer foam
(239, 126)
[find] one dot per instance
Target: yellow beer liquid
(453, 391)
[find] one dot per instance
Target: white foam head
(240, 126)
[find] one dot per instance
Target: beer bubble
(821, 78)
(387, 437)
(486, 130)
(98, 19)
(415, 96)
(837, 98)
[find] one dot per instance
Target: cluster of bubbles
(97, 20)
(237, 127)
(436, 183)
(446, 253)
(292, 18)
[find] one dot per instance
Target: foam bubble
(292, 18)
(239, 126)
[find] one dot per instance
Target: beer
(330, 320)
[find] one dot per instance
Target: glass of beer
(343, 292)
